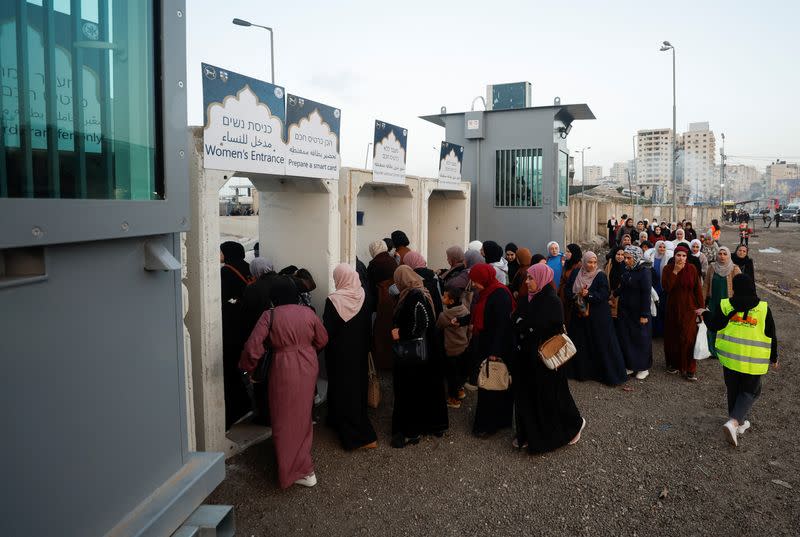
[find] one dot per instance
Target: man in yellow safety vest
(746, 345)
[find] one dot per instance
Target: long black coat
(420, 401)
(547, 417)
(599, 356)
(635, 338)
(346, 361)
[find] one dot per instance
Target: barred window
(518, 178)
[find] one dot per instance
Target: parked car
(791, 213)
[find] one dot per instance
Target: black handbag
(262, 367)
(410, 351)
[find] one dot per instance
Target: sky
(737, 66)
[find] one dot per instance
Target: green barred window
(563, 179)
(78, 100)
(518, 178)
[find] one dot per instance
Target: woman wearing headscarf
(719, 285)
(615, 266)
(420, 405)
(511, 260)
(475, 246)
(518, 286)
(417, 262)
(710, 248)
(295, 334)
(685, 302)
(752, 318)
(235, 277)
(380, 276)
(643, 237)
(573, 258)
(555, 260)
(697, 251)
(546, 415)
(689, 231)
(347, 321)
(491, 330)
(663, 253)
(680, 236)
(456, 275)
(634, 319)
(493, 254)
(591, 328)
(742, 260)
(656, 235)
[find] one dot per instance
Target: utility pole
(722, 170)
(668, 46)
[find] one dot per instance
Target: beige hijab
(407, 280)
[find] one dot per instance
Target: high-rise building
(592, 174)
(778, 170)
(619, 173)
(699, 160)
(739, 180)
(654, 154)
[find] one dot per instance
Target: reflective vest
(743, 345)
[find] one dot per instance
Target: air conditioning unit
(511, 96)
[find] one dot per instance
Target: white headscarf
(377, 247)
(475, 246)
(700, 244)
(549, 244)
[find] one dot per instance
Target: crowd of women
(489, 312)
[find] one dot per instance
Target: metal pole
(583, 172)
(722, 175)
(271, 54)
(366, 157)
(674, 142)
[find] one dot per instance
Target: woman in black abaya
(347, 320)
(546, 415)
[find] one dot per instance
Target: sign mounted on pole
(450, 158)
(244, 119)
(312, 138)
(389, 153)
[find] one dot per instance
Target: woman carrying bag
(546, 415)
(491, 321)
(420, 401)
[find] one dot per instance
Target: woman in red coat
(682, 284)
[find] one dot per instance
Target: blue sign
(312, 137)
(244, 123)
(389, 153)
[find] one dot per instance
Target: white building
(699, 162)
(654, 154)
(592, 174)
(739, 180)
(619, 173)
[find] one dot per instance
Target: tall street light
(583, 168)
(240, 22)
(666, 45)
(366, 156)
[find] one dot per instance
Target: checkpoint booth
(444, 219)
(371, 210)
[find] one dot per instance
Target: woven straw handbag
(557, 350)
(373, 385)
(493, 376)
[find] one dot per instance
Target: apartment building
(699, 162)
(654, 161)
(592, 174)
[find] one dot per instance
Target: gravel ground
(652, 461)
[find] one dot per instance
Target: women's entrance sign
(244, 120)
(450, 158)
(312, 138)
(389, 153)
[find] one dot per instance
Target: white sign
(389, 154)
(313, 139)
(450, 158)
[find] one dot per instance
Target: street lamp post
(722, 171)
(583, 169)
(666, 45)
(240, 22)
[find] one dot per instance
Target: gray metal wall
(92, 382)
(515, 129)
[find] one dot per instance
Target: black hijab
(513, 266)
(233, 284)
(617, 268)
(744, 293)
(284, 291)
(492, 252)
(745, 263)
(576, 256)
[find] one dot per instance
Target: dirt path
(652, 461)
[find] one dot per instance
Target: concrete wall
(514, 129)
(445, 215)
(588, 216)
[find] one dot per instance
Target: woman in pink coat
(295, 335)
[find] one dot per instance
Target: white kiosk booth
(444, 219)
(371, 211)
